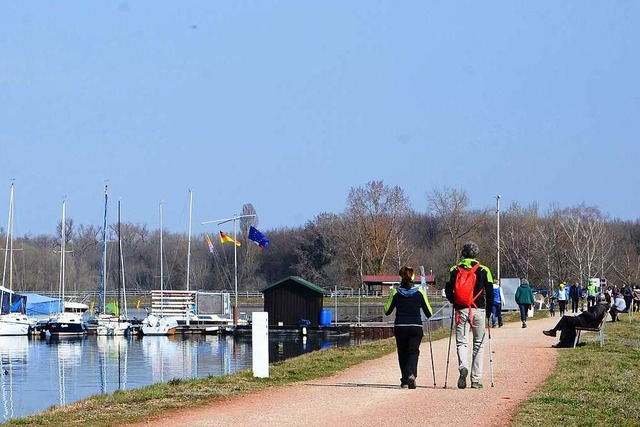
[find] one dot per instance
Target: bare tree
(585, 229)
(451, 206)
(374, 219)
(519, 239)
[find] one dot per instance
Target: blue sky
(288, 104)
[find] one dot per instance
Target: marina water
(36, 373)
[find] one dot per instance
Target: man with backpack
(470, 290)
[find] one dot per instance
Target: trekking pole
(446, 375)
(490, 354)
(433, 368)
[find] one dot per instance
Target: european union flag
(257, 237)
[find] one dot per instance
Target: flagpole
(234, 218)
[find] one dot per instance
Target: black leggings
(562, 306)
(408, 339)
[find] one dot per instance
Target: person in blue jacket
(408, 300)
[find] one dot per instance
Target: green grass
(591, 385)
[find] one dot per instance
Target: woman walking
(524, 299)
(408, 299)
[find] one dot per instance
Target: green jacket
(524, 294)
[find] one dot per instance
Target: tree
(519, 240)
(451, 206)
(585, 230)
(374, 219)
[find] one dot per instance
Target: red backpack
(464, 287)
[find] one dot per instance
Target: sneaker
(404, 385)
(411, 382)
(550, 333)
(524, 324)
(499, 325)
(462, 381)
(476, 385)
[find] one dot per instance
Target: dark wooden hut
(291, 299)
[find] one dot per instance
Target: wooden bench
(599, 329)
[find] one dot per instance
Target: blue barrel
(325, 318)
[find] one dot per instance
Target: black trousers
(408, 339)
(567, 327)
(574, 305)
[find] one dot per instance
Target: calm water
(38, 373)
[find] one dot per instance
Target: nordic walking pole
(433, 368)
(446, 374)
(490, 354)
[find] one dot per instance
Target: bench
(599, 329)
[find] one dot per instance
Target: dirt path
(369, 394)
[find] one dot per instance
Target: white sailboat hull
(113, 327)
(154, 325)
(13, 324)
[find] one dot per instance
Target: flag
(209, 244)
(224, 238)
(257, 237)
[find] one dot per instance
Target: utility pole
(498, 237)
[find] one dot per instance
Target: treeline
(378, 232)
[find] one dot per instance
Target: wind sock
(258, 238)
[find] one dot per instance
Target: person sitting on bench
(589, 318)
(618, 306)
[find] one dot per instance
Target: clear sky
(288, 104)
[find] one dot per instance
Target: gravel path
(369, 394)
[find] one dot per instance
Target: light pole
(498, 236)
(235, 219)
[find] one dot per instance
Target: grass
(590, 385)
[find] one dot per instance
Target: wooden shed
(293, 298)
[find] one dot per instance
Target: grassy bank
(591, 385)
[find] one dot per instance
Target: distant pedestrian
(562, 296)
(525, 300)
(627, 294)
(575, 292)
(496, 308)
(552, 306)
(408, 299)
(470, 317)
(592, 290)
(636, 298)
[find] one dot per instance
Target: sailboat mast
(9, 243)
(189, 238)
(161, 267)
(10, 231)
(103, 273)
(120, 276)
(63, 248)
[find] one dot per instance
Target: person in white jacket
(496, 309)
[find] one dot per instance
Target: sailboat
(160, 324)
(13, 318)
(69, 322)
(111, 322)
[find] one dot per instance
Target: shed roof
(298, 280)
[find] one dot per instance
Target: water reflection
(39, 373)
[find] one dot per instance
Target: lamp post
(498, 236)
(235, 219)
